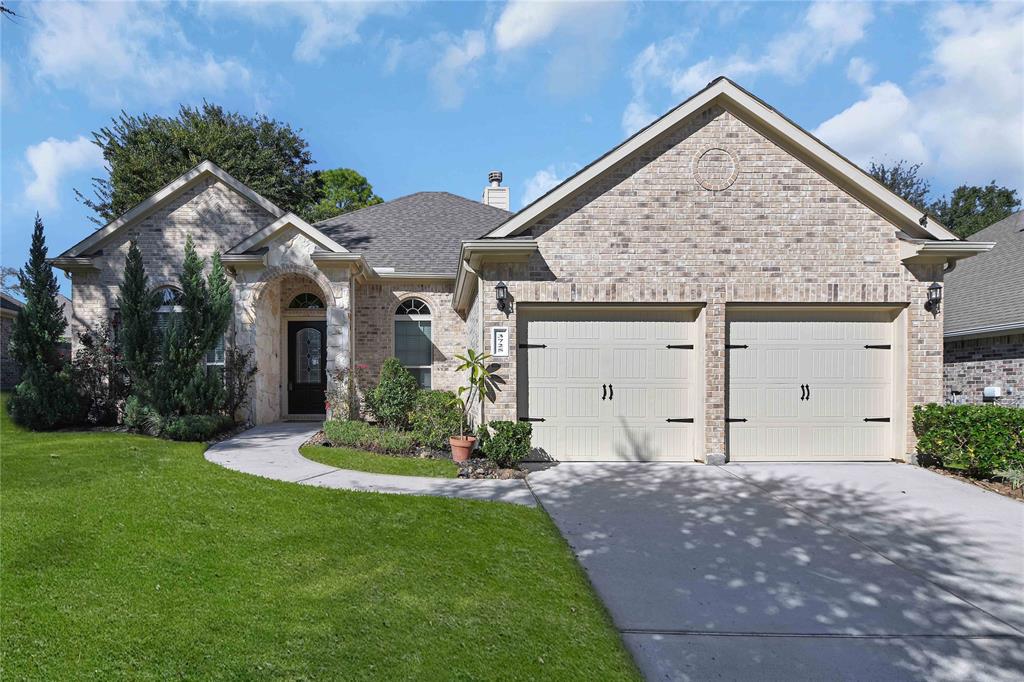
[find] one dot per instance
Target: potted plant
(478, 385)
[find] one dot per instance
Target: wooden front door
(307, 367)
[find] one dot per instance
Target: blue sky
(431, 96)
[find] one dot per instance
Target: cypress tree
(138, 334)
(45, 398)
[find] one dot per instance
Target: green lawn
(359, 460)
(129, 557)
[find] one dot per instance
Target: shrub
(140, 418)
(508, 445)
(44, 401)
(393, 397)
(978, 439)
(239, 373)
(197, 427)
(436, 416)
(350, 433)
(99, 375)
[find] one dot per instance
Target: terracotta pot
(461, 447)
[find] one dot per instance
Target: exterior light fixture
(501, 296)
(934, 302)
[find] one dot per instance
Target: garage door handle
(611, 392)
(687, 420)
(808, 391)
(876, 419)
(604, 391)
(532, 419)
(730, 419)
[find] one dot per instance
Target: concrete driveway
(798, 571)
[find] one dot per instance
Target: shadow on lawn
(682, 550)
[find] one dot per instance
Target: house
(984, 319)
(719, 286)
(10, 372)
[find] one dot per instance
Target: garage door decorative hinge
(736, 345)
(531, 419)
(682, 420)
(735, 419)
(879, 346)
(532, 345)
(876, 419)
(680, 346)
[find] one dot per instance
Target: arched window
(306, 301)
(413, 347)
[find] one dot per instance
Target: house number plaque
(499, 342)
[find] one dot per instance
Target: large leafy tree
(344, 190)
(967, 210)
(144, 153)
(44, 398)
(903, 178)
(971, 208)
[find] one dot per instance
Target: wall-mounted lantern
(501, 296)
(934, 302)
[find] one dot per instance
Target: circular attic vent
(715, 169)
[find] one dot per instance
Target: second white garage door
(810, 385)
(609, 384)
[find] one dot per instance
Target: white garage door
(810, 385)
(613, 384)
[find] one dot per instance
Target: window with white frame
(413, 346)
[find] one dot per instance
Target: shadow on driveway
(810, 571)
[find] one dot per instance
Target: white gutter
(991, 330)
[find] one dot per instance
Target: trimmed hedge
(435, 417)
(978, 439)
(392, 399)
(508, 445)
(356, 434)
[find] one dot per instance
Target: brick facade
(10, 373)
(777, 232)
(374, 329)
(973, 364)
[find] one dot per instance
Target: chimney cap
(494, 177)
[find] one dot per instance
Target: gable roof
(182, 182)
(986, 293)
(418, 233)
(10, 303)
(257, 238)
(767, 120)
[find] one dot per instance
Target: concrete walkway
(798, 571)
(272, 451)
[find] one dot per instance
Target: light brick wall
(652, 232)
(217, 218)
(374, 315)
(973, 364)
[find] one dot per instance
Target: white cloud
(860, 71)
(51, 160)
(325, 26)
(115, 52)
(541, 182)
(965, 116)
(825, 30)
(454, 71)
(885, 113)
(580, 33)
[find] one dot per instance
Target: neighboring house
(984, 312)
(10, 372)
(720, 285)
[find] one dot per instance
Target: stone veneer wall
(216, 216)
(973, 364)
(715, 213)
(374, 329)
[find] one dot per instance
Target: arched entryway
(289, 337)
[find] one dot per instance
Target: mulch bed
(994, 486)
(476, 468)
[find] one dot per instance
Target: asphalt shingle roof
(419, 233)
(988, 289)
